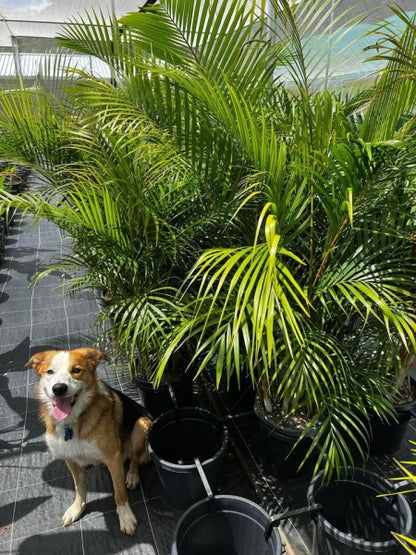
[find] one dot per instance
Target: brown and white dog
(87, 422)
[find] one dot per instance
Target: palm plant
(220, 142)
(127, 199)
(314, 295)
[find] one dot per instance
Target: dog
(89, 423)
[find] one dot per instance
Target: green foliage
(223, 196)
(130, 204)
(410, 477)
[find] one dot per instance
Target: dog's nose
(60, 389)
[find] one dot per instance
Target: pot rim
(355, 541)
(283, 429)
(186, 467)
(207, 501)
(148, 384)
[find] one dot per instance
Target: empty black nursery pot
(174, 440)
(225, 525)
(353, 520)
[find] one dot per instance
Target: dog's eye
(76, 370)
(50, 371)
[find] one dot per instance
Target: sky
(61, 9)
(27, 4)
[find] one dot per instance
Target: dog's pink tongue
(62, 408)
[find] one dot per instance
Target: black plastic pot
(236, 397)
(3, 224)
(174, 440)
(159, 400)
(353, 520)
(387, 435)
(228, 525)
(281, 447)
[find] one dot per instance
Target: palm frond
(395, 95)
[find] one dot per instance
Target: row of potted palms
(232, 207)
(12, 180)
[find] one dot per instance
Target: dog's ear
(36, 360)
(94, 355)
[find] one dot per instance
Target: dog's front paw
(73, 513)
(127, 519)
(132, 480)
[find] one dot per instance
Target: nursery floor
(35, 490)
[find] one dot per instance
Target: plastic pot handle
(204, 479)
(231, 418)
(405, 483)
(173, 396)
(276, 520)
(174, 402)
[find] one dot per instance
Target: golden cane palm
(330, 257)
(110, 184)
(220, 149)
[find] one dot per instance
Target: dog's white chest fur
(78, 450)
